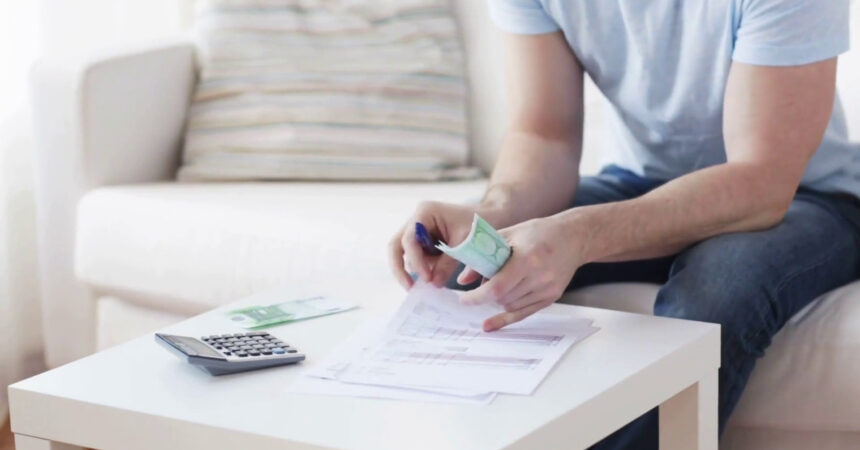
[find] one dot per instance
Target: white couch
(124, 249)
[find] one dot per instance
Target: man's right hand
(446, 222)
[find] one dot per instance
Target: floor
(6, 441)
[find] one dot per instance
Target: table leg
(688, 421)
(24, 442)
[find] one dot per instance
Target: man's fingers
(524, 301)
(496, 288)
(506, 318)
(415, 256)
(468, 276)
(443, 270)
(395, 256)
(522, 289)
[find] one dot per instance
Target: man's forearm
(534, 177)
(721, 199)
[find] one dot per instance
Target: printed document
(435, 346)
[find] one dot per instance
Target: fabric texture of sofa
(124, 249)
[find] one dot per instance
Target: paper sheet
(433, 340)
(323, 378)
(434, 346)
(321, 386)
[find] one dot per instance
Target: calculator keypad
(252, 344)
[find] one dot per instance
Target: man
(732, 182)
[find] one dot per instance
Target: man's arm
(536, 174)
(537, 171)
(774, 121)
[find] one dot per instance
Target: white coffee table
(138, 396)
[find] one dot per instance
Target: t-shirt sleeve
(521, 16)
(791, 32)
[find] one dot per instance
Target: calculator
(221, 354)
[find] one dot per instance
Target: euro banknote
(484, 250)
(289, 311)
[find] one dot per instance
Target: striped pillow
(328, 89)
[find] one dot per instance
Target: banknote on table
(484, 250)
(289, 311)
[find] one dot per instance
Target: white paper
(323, 377)
(434, 349)
(433, 340)
(322, 386)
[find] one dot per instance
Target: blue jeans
(750, 283)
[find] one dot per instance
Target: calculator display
(199, 347)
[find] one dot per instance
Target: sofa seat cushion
(204, 245)
(168, 246)
(809, 378)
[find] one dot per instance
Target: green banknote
(289, 311)
(484, 250)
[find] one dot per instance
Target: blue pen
(425, 240)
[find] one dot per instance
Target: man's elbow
(770, 213)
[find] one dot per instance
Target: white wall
(29, 28)
(849, 76)
(84, 25)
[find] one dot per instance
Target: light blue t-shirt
(663, 66)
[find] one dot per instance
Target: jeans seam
(793, 276)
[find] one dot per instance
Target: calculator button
(227, 353)
(254, 353)
(278, 351)
(266, 351)
(241, 354)
(292, 350)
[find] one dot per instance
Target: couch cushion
(174, 245)
(808, 378)
(314, 91)
(203, 245)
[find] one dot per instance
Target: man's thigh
(753, 282)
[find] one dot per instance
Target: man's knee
(717, 281)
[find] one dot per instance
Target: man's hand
(538, 166)
(450, 223)
(542, 264)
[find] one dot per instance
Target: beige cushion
(328, 90)
(808, 378)
(120, 321)
(208, 244)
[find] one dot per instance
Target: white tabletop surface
(139, 396)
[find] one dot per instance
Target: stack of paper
(434, 349)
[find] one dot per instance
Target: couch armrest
(113, 119)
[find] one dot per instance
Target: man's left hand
(544, 258)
